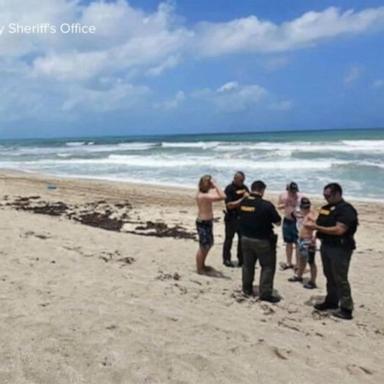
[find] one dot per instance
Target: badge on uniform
(247, 209)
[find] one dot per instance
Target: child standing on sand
(306, 244)
(208, 193)
(288, 204)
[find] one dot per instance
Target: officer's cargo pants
(336, 260)
(264, 251)
(231, 228)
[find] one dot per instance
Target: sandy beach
(98, 286)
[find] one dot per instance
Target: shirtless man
(289, 204)
(208, 193)
(307, 244)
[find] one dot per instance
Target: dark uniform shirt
(344, 213)
(257, 216)
(233, 193)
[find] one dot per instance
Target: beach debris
(100, 220)
(100, 214)
(168, 276)
(160, 229)
(105, 258)
(126, 260)
(40, 207)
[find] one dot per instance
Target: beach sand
(83, 304)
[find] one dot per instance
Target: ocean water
(354, 158)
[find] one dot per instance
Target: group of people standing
(253, 218)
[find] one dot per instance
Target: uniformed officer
(336, 225)
(258, 241)
(235, 192)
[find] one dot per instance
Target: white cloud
(56, 75)
(121, 96)
(250, 34)
(172, 103)
(232, 97)
(228, 87)
(126, 39)
(169, 63)
(64, 74)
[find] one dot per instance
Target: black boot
(228, 263)
(324, 306)
(270, 299)
(344, 314)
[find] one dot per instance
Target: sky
(117, 67)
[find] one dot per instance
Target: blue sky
(191, 66)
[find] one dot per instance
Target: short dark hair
(334, 187)
(240, 173)
(305, 203)
(258, 186)
(292, 187)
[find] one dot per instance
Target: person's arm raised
(217, 194)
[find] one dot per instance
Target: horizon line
(222, 133)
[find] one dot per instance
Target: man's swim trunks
(205, 232)
(307, 249)
(290, 233)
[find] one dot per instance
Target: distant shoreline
(182, 189)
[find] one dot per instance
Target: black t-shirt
(233, 193)
(341, 212)
(256, 217)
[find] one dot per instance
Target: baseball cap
(292, 186)
(305, 203)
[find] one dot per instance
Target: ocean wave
(137, 146)
(75, 143)
(263, 149)
(63, 155)
(366, 144)
(197, 162)
(199, 144)
(366, 164)
(78, 149)
(345, 146)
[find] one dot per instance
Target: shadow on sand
(212, 272)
